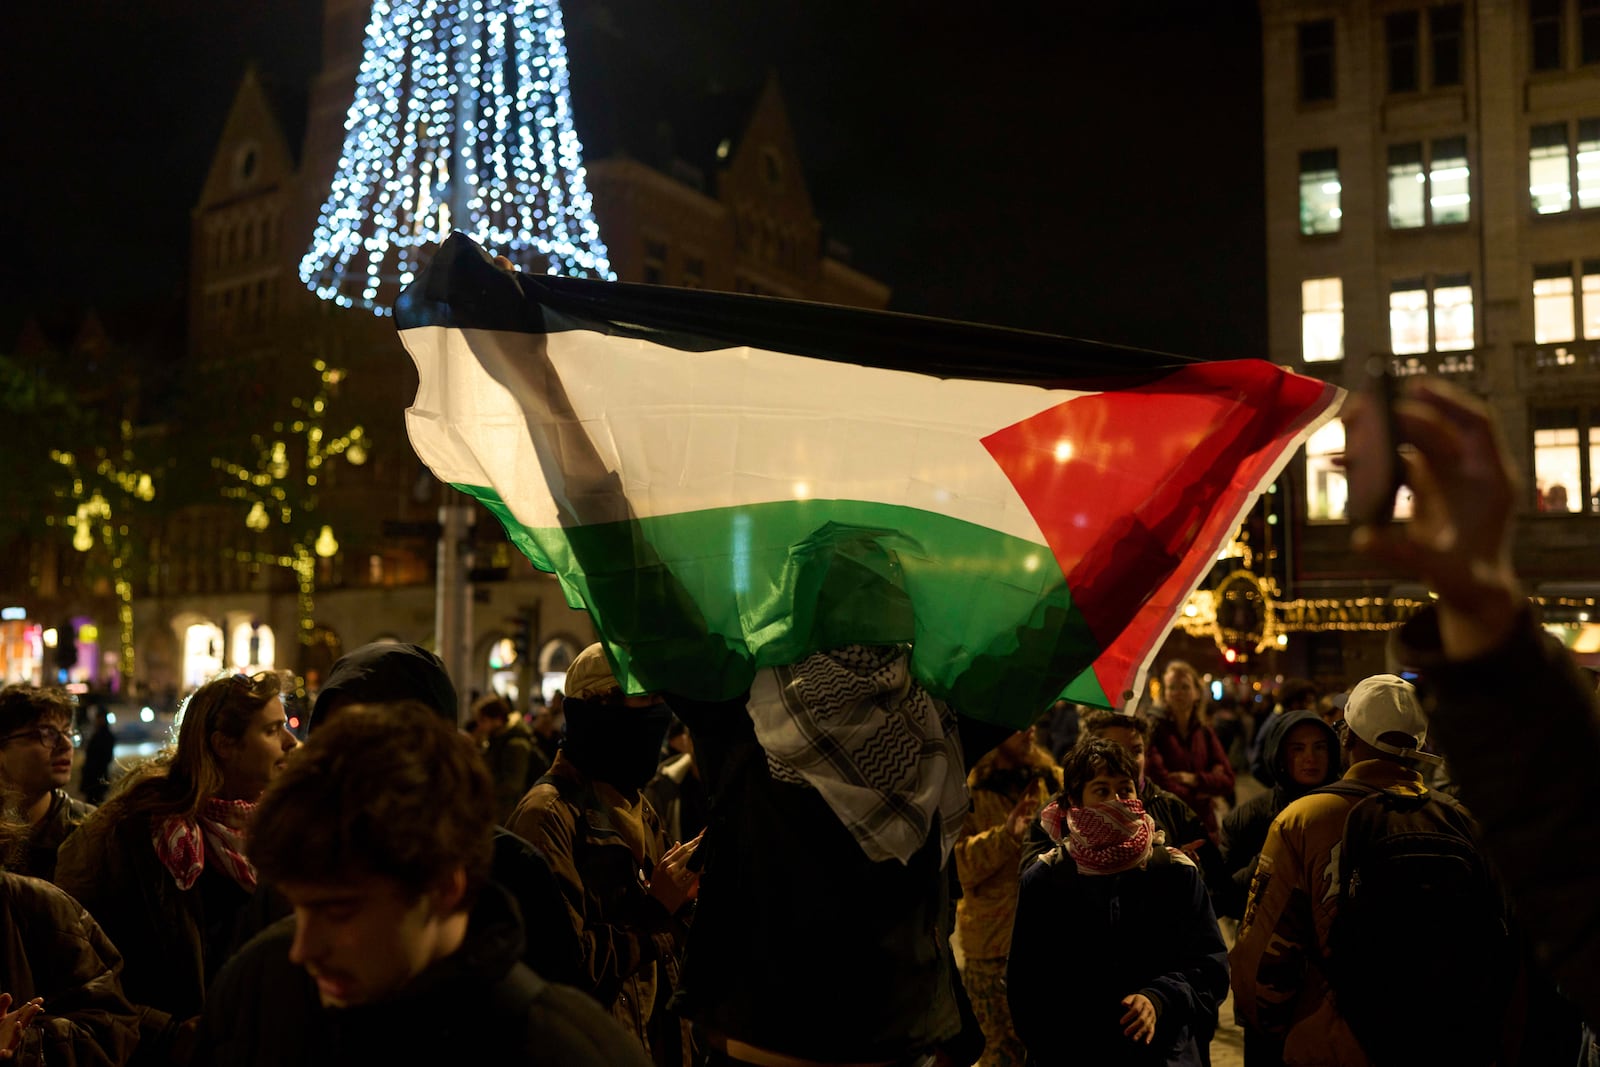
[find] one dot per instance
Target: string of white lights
(461, 120)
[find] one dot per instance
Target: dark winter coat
(1519, 728)
(1083, 942)
(38, 853)
(1244, 829)
(51, 948)
(171, 947)
(801, 944)
(479, 1005)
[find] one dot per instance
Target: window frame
(1322, 311)
(1428, 285)
(1306, 52)
(1456, 39)
(1427, 154)
(1402, 40)
(1547, 17)
(1308, 161)
(1585, 420)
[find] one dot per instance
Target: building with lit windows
(1433, 202)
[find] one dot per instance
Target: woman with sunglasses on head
(161, 865)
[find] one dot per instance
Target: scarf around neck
(1109, 838)
(181, 843)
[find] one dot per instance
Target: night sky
(1091, 175)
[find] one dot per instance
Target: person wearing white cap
(1280, 963)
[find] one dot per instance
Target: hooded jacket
(477, 1005)
(1244, 829)
(381, 673)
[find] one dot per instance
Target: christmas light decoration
(127, 488)
(281, 491)
(461, 120)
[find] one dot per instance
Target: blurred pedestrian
(399, 949)
(508, 750)
(1009, 786)
(35, 766)
(548, 724)
(1185, 756)
(1115, 955)
(162, 866)
(94, 777)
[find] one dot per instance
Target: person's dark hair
(22, 706)
(1101, 718)
(386, 790)
(187, 774)
(1090, 758)
(495, 706)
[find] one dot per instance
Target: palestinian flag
(727, 483)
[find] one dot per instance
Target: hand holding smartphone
(1373, 469)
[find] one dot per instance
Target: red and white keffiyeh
(1109, 838)
(182, 844)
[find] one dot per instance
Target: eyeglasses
(48, 736)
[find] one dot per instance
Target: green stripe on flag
(770, 583)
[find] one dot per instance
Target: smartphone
(1373, 470)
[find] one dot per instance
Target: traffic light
(521, 634)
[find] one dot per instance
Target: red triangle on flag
(1136, 489)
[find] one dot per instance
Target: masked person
(625, 890)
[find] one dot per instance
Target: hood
(1277, 728)
(382, 673)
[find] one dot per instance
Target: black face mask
(615, 744)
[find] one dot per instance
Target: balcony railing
(1457, 366)
(1559, 366)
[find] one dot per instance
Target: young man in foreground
(379, 834)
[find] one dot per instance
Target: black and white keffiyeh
(852, 724)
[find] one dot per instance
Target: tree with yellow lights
(107, 489)
(283, 489)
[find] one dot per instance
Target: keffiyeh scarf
(882, 752)
(1104, 838)
(217, 834)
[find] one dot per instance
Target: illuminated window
(1448, 174)
(1407, 205)
(1435, 190)
(1452, 314)
(1408, 318)
(1316, 61)
(1319, 191)
(1558, 457)
(1553, 306)
(1590, 286)
(1589, 161)
(1403, 37)
(1326, 489)
(1321, 319)
(1549, 181)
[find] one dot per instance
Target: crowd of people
(783, 878)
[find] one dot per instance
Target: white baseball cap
(1385, 704)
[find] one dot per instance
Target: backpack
(1420, 956)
